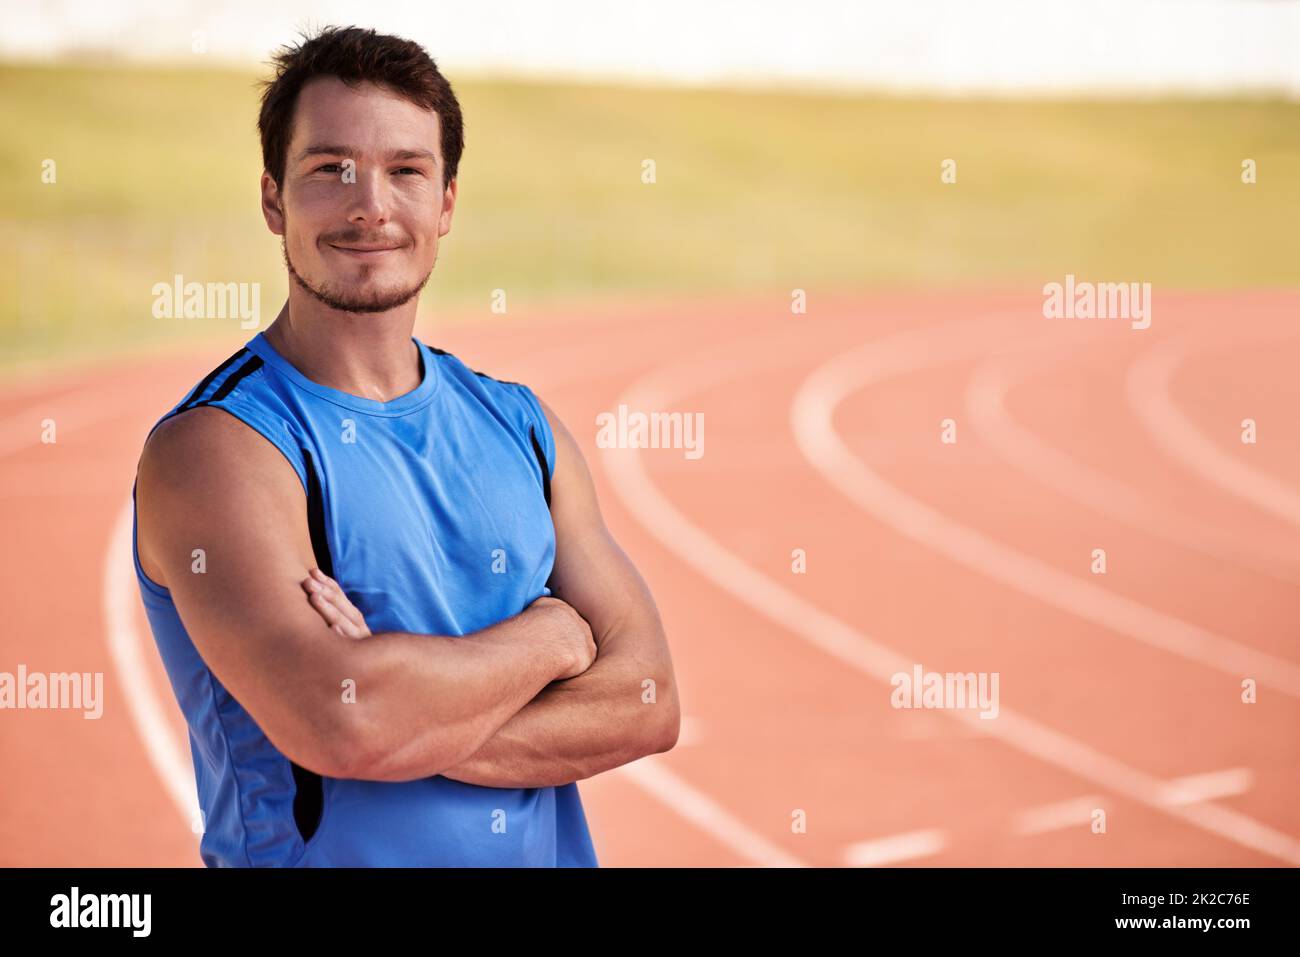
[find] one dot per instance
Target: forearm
(625, 705)
(604, 718)
(425, 702)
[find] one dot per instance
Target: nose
(370, 197)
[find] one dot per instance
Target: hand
(574, 634)
(329, 601)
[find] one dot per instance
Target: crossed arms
(519, 704)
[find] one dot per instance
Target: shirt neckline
(417, 398)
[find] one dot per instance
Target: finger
(348, 630)
(327, 604)
(312, 587)
(335, 619)
(323, 585)
(344, 604)
(325, 608)
(340, 598)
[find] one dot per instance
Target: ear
(272, 205)
(448, 207)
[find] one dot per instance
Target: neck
(370, 356)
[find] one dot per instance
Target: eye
(329, 168)
(411, 169)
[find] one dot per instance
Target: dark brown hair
(355, 55)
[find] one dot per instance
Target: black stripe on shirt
(309, 794)
(210, 378)
(247, 369)
(541, 460)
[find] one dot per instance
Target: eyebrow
(348, 151)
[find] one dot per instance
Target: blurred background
(795, 149)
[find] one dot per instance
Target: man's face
(360, 236)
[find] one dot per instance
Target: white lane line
(811, 414)
(1057, 816)
(1206, 787)
(169, 759)
(892, 850)
(986, 404)
(1148, 392)
(663, 389)
(811, 418)
(1193, 789)
(701, 810)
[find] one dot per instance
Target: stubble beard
(379, 301)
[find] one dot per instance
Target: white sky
(951, 46)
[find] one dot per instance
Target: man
(380, 582)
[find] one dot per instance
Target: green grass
(157, 173)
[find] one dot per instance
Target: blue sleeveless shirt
(432, 513)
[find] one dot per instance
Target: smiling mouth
(365, 251)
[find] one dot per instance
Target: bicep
(224, 517)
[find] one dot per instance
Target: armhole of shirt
(542, 427)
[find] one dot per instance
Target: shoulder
(235, 411)
(457, 367)
(501, 392)
(518, 392)
(196, 434)
(204, 474)
(208, 451)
